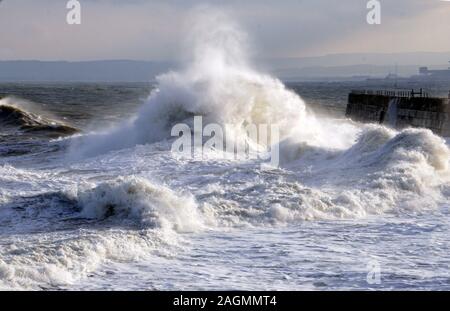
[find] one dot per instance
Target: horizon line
(175, 60)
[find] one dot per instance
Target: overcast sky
(152, 29)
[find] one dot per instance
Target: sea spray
(217, 84)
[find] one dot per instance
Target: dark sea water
(351, 207)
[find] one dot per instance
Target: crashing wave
(16, 118)
(136, 198)
(135, 218)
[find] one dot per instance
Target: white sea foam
(55, 260)
(143, 219)
(151, 204)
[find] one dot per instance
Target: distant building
(443, 74)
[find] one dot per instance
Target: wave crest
(137, 198)
(12, 116)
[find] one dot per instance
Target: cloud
(139, 29)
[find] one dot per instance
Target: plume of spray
(217, 83)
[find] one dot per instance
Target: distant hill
(89, 71)
(357, 64)
(334, 65)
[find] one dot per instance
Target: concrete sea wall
(400, 110)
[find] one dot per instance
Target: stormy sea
(92, 196)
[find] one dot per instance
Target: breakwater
(400, 109)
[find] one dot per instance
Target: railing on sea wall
(395, 93)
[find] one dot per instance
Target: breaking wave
(14, 117)
(136, 198)
(136, 218)
(218, 84)
(384, 171)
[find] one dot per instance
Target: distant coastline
(334, 66)
(84, 71)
